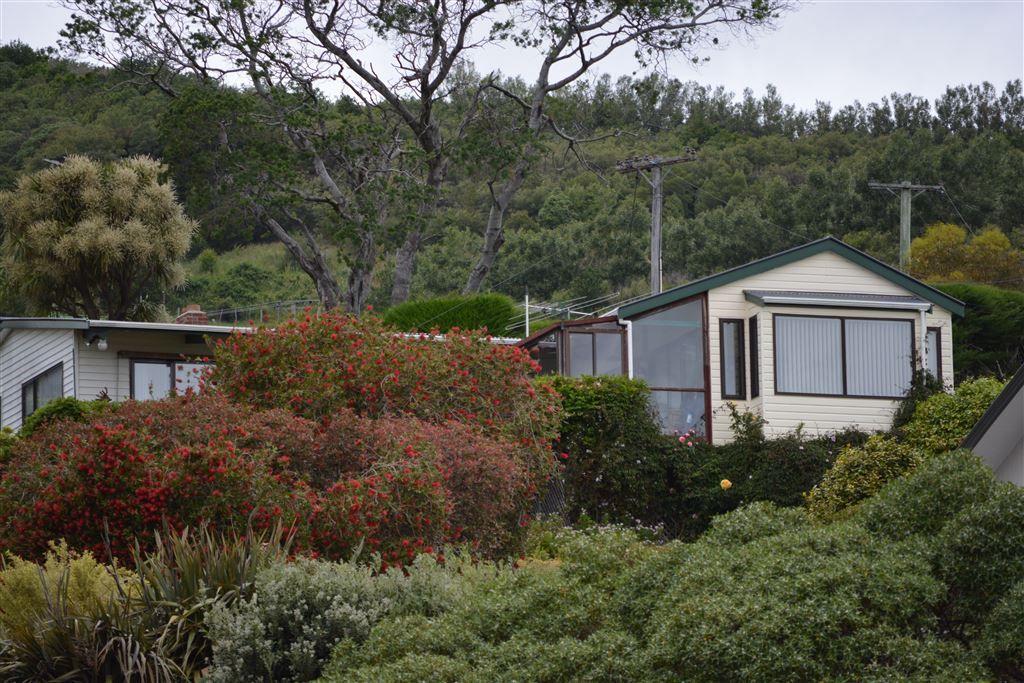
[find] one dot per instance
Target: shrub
(980, 555)
(61, 409)
(860, 473)
(809, 604)
(941, 422)
(906, 507)
(999, 643)
(753, 522)
(323, 364)
(922, 387)
(989, 340)
(287, 630)
(493, 312)
(485, 485)
(25, 586)
(83, 621)
(131, 470)
(618, 459)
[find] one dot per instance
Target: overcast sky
(832, 50)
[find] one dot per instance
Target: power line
(967, 225)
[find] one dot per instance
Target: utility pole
(654, 165)
(907, 191)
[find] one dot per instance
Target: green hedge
(621, 468)
(473, 312)
(989, 340)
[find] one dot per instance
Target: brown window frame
(938, 349)
(842, 353)
(739, 358)
(755, 357)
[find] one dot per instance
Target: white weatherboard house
(998, 438)
(821, 336)
(46, 358)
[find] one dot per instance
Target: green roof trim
(825, 244)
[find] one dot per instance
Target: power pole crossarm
(906, 191)
(654, 164)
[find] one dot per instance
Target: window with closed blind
(831, 356)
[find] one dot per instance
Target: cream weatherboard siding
(25, 354)
(823, 272)
(109, 371)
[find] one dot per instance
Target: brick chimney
(192, 314)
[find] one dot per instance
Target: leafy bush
(810, 604)
(25, 586)
(287, 630)
(753, 522)
(999, 643)
(621, 468)
(939, 424)
(73, 619)
(61, 409)
(980, 554)
(493, 312)
(860, 473)
(906, 507)
(131, 470)
(322, 364)
(989, 340)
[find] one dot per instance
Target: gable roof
(999, 405)
(826, 244)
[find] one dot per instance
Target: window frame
(34, 382)
(843, 349)
(938, 349)
(755, 356)
(739, 358)
(161, 359)
(706, 421)
(593, 332)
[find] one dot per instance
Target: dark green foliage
(1001, 641)
(906, 507)
(938, 425)
(922, 386)
(61, 409)
(990, 338)
(621, 468)
(980, 554)
(492, 311)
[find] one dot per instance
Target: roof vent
(192, 314)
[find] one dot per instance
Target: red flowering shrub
(324, 363)
(485, 483)
(69, 480)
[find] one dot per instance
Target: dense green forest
(768, 176)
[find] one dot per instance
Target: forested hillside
(768, 176)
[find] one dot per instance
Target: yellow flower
(726, 484)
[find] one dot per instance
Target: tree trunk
(315, 265)
(494, 235)
(405, 264)
(360, 274)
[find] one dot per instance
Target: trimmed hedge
(989, 340)
(472, 312)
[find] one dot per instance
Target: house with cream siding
(46, 358)
(819, 337)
